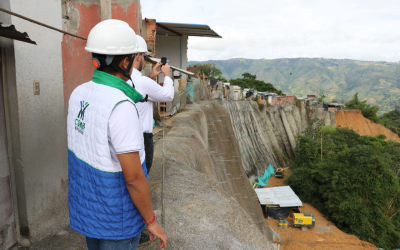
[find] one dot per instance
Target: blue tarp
(262, 181)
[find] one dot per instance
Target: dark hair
(116, 60)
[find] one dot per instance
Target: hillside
(378, 82)
(353, 119)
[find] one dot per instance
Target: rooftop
(281, 196)
(180, 29)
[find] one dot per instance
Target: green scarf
(104, 78)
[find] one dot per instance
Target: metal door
(8, 232)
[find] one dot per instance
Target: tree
(356, 185)
(221, 78)
(321, 97)
(391, 120)
(250, 81)
(367, 110)
(249, 76)
(210, 70)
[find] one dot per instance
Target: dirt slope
(324, 236)
(355, 120)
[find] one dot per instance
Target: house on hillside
(170, 40)
(333, 106)
(268, 97)
(249, 94)
(216, 89)
(236, 93)
(271, 98)
(311, 97)
(226, 90)
(261, 99)
(286, 99)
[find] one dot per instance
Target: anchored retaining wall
(269, 136)
(204, 197)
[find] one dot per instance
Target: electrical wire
(39, 23)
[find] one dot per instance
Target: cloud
(356, 29)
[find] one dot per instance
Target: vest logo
(79, 124)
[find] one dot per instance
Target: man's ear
(124, 63)
(137, 58)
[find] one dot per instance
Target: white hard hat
(142, 45)
(112, 37)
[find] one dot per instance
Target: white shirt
(125, 132)
(146, 86)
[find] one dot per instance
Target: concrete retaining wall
(207, 199)
(269, 136)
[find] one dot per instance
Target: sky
(366, 30)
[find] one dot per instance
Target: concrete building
(271, 97)
(226, 91)
(236, 91)
(33, 170)
(311, 97)
(170, 40)
(36, 82)
(286, 99)
(79, 17)
(333, 106)
(267, 97)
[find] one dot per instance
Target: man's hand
(139, 191)
(156, 230)
(154, 71)
(166, 69)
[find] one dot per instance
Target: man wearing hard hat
(108, 196)
(155, 93)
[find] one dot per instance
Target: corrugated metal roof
(281, 196)
(156, 60)
(9, 31)
(186, 29)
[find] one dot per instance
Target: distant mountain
(377, 82)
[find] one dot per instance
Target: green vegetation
(376, 82)
(356, 183)
(250, 81)
(367, 110)
(211, 70)
(261, 107)
(322, 97)
(391, 120)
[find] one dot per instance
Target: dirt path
(324, 236)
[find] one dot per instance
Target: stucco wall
(38, 124)
(79, 17)
(174, 48)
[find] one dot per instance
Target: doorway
(8, 232)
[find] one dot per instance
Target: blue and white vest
(99, 203)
